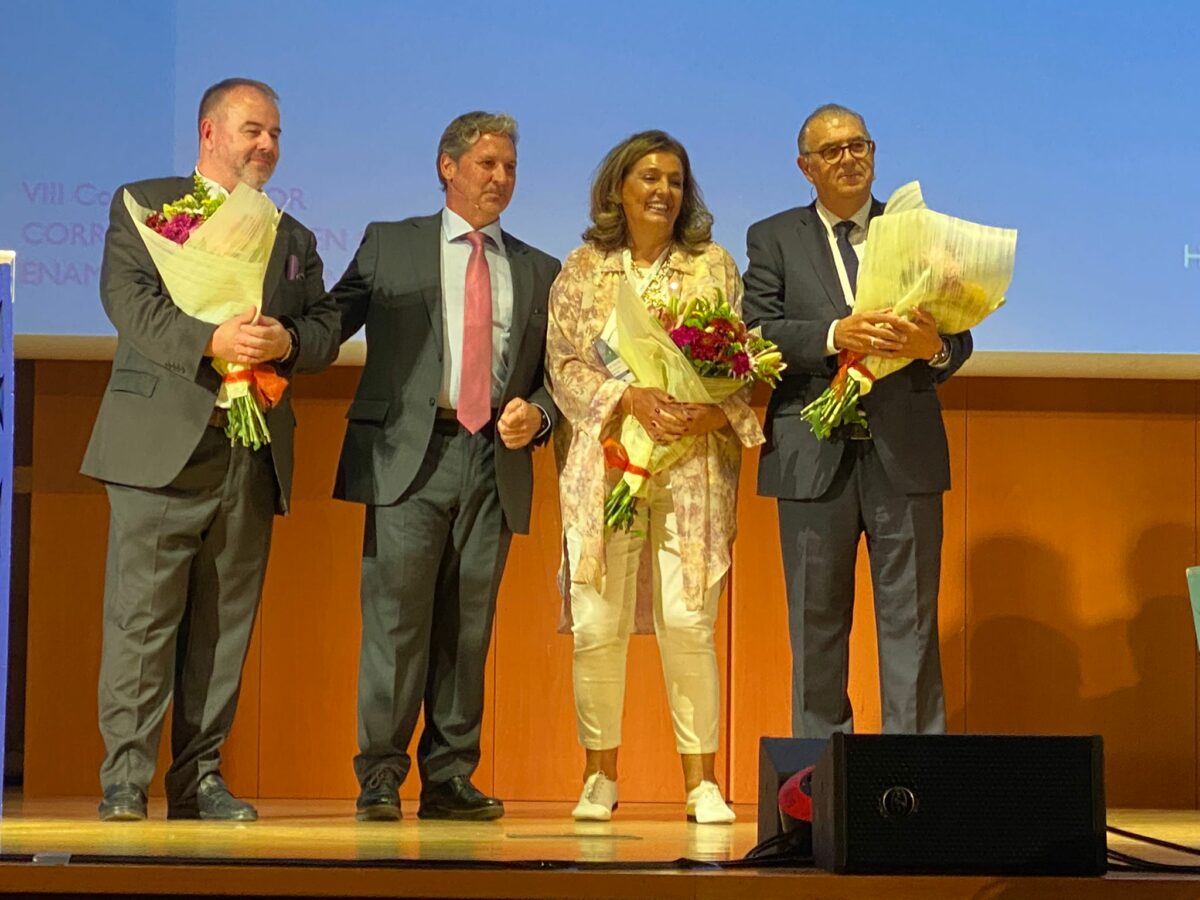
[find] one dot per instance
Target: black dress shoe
(379, 799)
(123, 802)
(458, 799)
(213, 801)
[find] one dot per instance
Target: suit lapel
(425, 252)
(816, 250)
(179, 187)
(522, 281)
(275, 263)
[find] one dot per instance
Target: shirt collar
(455, 226)
(860, 218)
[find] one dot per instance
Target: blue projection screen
(1070, 122)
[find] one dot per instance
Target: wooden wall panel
(536, 755)
(1080, 523)
(310, 616)
(63, 744)
(310, 628)
(1063, 606)
(69, 527)
(952, 611)
(760, 667)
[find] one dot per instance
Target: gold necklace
(655, 289)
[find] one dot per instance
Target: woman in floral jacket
(651, 231)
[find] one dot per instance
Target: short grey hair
(823, 111)
(461, 135)
(216, 95)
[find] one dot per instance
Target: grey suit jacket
(162, 389)
(393, 286)
(793, 292)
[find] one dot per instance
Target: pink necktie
(475, 376)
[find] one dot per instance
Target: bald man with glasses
(885, 480)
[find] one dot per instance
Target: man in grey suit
(439, 447)
(191, 515)
(886, 481)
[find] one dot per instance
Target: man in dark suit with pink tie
(439, 447)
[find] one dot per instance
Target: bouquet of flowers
(211, 254)
(916, 259)
(697, 351)
(178, 220)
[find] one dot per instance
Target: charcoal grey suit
(191, 517)
(442, 504)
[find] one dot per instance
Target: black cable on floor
(1157, 842)
(681, 864)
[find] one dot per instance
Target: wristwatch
(939, 359)
(545, 426)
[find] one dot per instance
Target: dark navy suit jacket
(793, 292)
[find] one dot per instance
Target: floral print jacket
(704, 482)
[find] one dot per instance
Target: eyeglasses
(858, 150)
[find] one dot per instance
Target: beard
(256, 175)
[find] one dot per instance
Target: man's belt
(851, 431)
(446, 420)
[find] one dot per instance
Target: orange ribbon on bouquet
(267, 384)
(615, 457)
(848, 360)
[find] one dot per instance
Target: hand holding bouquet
(211, 254)
(697, 351)
(916, 259)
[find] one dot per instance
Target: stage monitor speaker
(778, 760)
(960, 804)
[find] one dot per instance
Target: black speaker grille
(969, 803)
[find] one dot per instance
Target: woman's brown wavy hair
(608, 230)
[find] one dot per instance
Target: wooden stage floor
(316, 849)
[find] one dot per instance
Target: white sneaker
(598, 800)
(706, 806)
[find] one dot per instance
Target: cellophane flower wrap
(916, 259)
(697, 351)
(212, 256)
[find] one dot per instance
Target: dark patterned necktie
(849, 257)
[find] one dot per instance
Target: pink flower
(179, 227)
(685, 335)
(741, 364)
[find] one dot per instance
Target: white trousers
(604, 620)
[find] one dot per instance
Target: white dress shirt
(456, 252)
(858, 241)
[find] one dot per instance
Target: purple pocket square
(293, 267)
